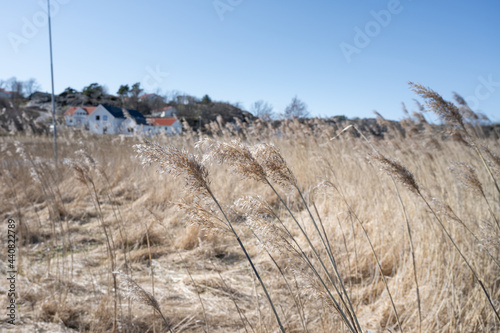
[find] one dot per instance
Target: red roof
(162, 109)
(71, 110)
(162, 121)
(148, 96)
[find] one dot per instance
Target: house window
(71, 121)
(104, 130)
(130, 130)
(104, 118)
(96, 117)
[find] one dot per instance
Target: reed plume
(178, 163)
(446, 110)
(181, 163)
(467, 176)
(396, 169)
(451, 115)
(237, 155)
(269, 157)
(133, 291)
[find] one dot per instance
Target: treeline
(133, 96)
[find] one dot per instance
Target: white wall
(107, 124)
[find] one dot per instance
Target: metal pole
(52, 78)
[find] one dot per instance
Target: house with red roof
(169, 126)
(77, 116)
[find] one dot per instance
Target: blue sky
(340, 57)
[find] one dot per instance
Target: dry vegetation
(259, 230)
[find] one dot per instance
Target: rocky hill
(208, 112)
(65, 100)
(37, 109)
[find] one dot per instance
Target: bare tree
(296, 109)
(263, 110)
(16, 86)
(171, 96)
(30, 86)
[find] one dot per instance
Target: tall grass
(332, 245)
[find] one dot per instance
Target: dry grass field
(346, 230)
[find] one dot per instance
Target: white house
(167, 126)
(131, 127)
(107, 119)
(166, 112)
(77, 116)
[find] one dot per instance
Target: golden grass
(72, 239)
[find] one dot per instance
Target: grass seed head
(135, 292)
(442, 208)
(236, 155)
(275, 167)
(83, 164)
(203, 214)
(178, 163)
(467, 176)
(397, 170)
(447, 111)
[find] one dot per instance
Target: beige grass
(65, 276)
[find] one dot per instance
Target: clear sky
(340, 57)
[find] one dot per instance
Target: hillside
(190, 112)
